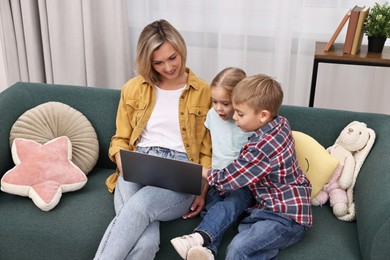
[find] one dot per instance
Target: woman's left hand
(196, 207)
(205, 172)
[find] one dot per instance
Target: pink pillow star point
(43, 171)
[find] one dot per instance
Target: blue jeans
(221, 212)
(262, 234)
(134, 233)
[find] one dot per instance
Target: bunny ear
(361, 155)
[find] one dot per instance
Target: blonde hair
(151, 38)
(228, 78)
(259, 92)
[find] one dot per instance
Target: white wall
(353, 87)
(357, 88)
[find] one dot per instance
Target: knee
(145, 248)
(234, 251)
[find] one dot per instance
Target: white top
(227, 139)
(163, 127)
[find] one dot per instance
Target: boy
(267, 164)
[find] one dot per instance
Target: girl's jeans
(134, 232)
(262, 234)
(222, 211)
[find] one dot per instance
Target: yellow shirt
(136, 105)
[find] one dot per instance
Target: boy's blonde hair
(259, 92)
(228, 78)
(150, 39)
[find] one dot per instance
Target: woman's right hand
(118, 162)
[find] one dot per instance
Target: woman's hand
(196, 207)
(198, 203)
(204, 172)
(118, 162)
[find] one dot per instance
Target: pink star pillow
(43, 171)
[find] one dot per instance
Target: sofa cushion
(53, 119)
(314, 160)
(72, 230)
(329, 238)
(43, 172)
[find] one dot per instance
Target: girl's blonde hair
(259, 92)
(150, 39)
(228, 78)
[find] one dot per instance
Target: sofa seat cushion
(329, 238)
(72, 230)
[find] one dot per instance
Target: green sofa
(73, 229)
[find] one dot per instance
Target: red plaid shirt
(267, 164)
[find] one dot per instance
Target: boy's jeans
(221, 212)
(262, 234)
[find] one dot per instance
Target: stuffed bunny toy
(351, 149)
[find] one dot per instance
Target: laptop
(161, 172)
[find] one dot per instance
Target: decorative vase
(376, 44)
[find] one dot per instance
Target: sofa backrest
(97, 104)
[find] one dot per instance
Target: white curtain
(272, 37)
(81, 42)
(90, 42)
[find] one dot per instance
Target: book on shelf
(351, 29)
(338, 30)
(357, 40)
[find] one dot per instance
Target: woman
(161, 112)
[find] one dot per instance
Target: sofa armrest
(372, 194)
(12, 105)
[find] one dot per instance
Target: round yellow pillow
(313, 159)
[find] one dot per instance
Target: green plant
(377, 23)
